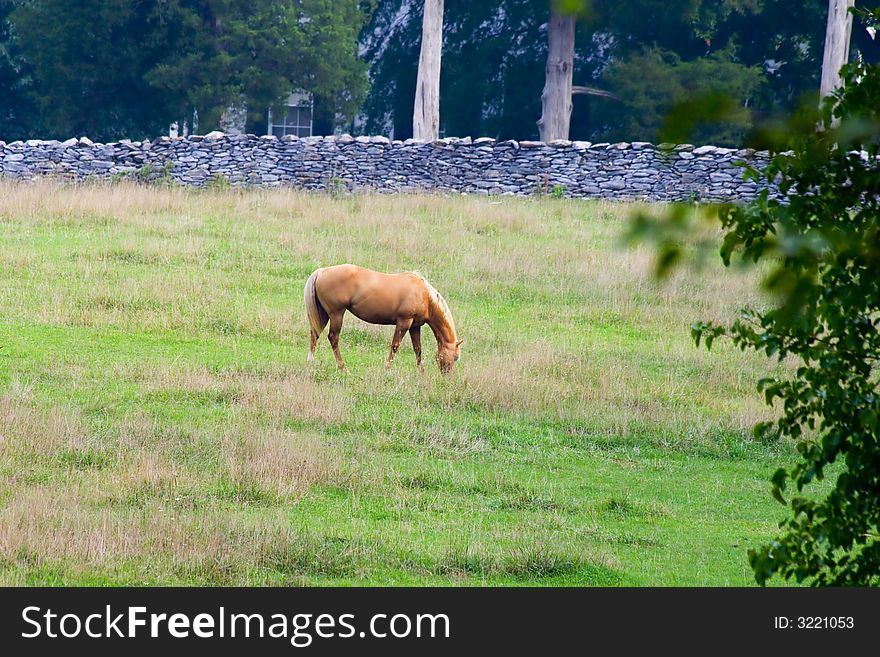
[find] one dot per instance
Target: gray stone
(705, 150)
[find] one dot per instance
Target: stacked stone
(575, 169)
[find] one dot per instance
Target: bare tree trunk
(837, 35)
(556, 99)
(426, 111)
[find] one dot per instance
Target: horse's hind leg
(333, 336)
(312, 345)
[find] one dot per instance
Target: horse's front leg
(415, 336)
(400, 330)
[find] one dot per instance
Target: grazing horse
(406, 301)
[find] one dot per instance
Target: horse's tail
(318, 317)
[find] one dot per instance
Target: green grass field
(159, 423)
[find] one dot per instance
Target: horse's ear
(458, 344)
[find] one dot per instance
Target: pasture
(159, 423)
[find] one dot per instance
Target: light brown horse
(406, 301)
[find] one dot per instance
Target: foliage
(113, 68)
(87, 61)
(647, 52)
(822, 238)
(650, 83)
(257, 52)
(492, 73)
(17, 111)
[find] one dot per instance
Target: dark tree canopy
(114, 68)
(648, 53)
(494, 54)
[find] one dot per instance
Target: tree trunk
(426, 111)
(556, 99)
(837, 35)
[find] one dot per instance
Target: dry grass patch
(522, 381)
(449, 438)
(25, 428)
(294, 396)
(43, 527)
(278, 464)
(278, 396)
(147, 478)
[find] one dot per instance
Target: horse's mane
(439, 300)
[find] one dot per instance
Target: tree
(667, 54)
(18, 115)
(837, 37)
(821, 238)
(495, 56)
(426, 110)
(786, 45)
(556, 99)
(114, 68)
(87, 62)
(653, 82)
(254, 52)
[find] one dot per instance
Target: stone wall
(481, 166)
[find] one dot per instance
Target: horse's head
(447, 355)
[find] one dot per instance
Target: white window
(297, 119)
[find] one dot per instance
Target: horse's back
(373, 296)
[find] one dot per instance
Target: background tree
(426, 109)
(18, 115)
(647, 52)
(556, 99)
(650, 83)
(113, 68)
(494, 56)
(254, 52)
(667, 52)
(87, 62)
(836, 51)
